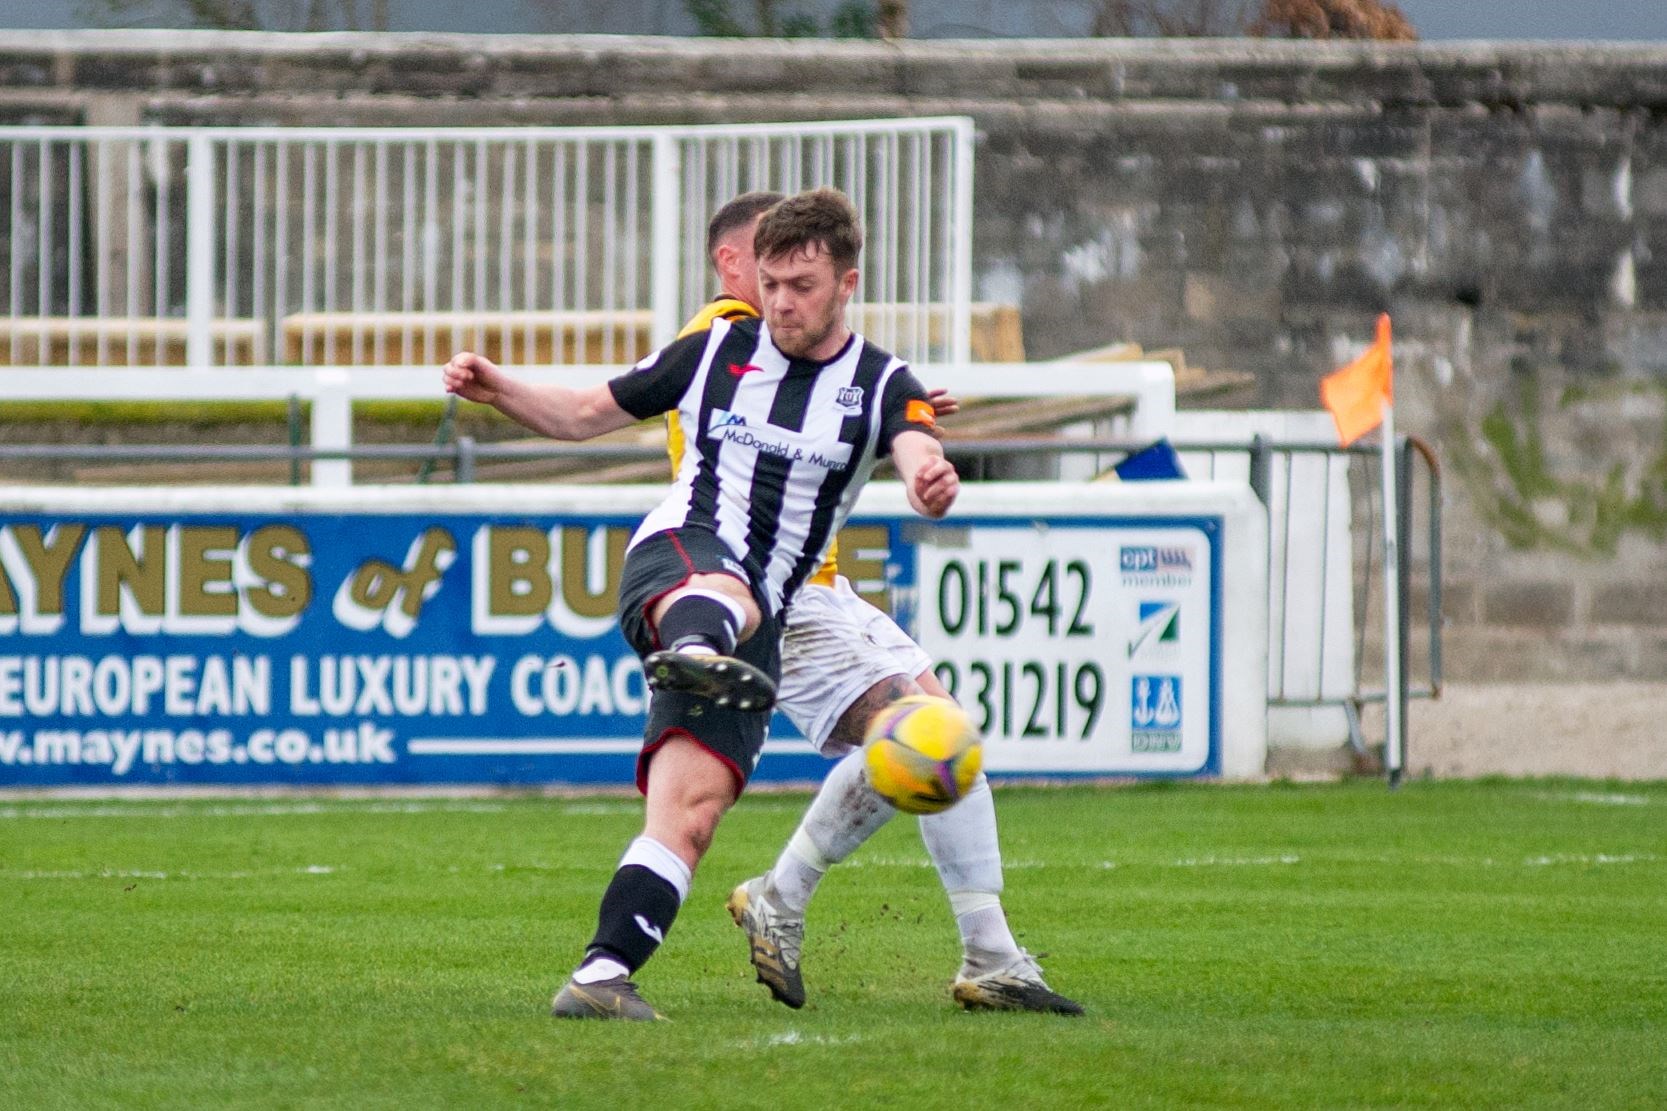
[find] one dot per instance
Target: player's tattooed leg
(853, 723)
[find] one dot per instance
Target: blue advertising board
(312, 646)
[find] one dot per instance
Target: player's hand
(935, 486)
(943, 405)
(471, 377)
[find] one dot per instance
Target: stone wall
(1254, 203)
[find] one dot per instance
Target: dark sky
(1435, 19)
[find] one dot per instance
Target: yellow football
(923, 754)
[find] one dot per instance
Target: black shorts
(654, 568)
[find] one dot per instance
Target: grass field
(1496, 944)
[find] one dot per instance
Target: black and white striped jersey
(777, 449)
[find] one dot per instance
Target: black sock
(699, 619)
(637, 912)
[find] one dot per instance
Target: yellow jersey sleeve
(731, 308)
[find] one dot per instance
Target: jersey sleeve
(658, 383)
(904, 408)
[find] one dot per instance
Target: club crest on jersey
(849, 398)
(738, 369)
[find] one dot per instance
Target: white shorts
(834, 648)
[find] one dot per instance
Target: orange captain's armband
(920, 412)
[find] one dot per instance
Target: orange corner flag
(1357, 393)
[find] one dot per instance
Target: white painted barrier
(333, 389)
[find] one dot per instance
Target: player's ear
(848, 282)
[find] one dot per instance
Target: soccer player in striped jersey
(785, 420)
(843, 660)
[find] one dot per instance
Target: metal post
(1433, 571)
(1394, 704)
(1403, 511)
(960, 344)
(332, 426)
(667, 214)
(1259, 467)
(294, 439)
(465, 459)
(199, 254)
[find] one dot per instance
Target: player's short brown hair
(821, 216)
(738, 213)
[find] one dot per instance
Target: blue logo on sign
(1159, 624)
(1150, 610)
(1154, 557)
(1155, 702)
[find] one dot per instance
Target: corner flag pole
(1361, 397)
(1394, 747)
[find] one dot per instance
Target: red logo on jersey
(739, 369)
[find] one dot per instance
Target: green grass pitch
(1492, 944)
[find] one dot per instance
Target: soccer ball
(923, 754)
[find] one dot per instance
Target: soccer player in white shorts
(842, 661)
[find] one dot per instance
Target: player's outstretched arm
(558, 412)
(928, 478)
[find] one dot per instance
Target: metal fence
(392, 246)
(1326, 521)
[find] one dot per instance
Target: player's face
(804, 302)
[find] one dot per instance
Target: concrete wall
(1256, 203)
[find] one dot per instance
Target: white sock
(962, 842)
(845, 813)
(645, 852)
(797, 871)
(985, 937)
(599, 968)
(963, 845)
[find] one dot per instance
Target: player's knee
(703, 818)
(736, 590)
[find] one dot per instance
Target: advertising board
(467, 634)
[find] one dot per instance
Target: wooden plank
(586, 338)
(352, 339)
(75, 341)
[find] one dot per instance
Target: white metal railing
(331, 390)
(208, 247)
